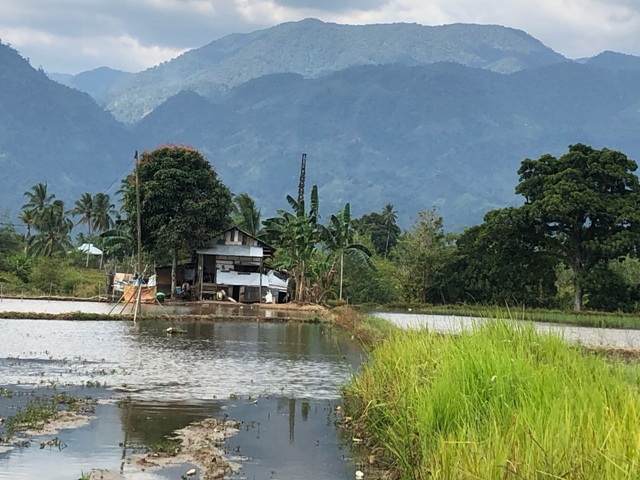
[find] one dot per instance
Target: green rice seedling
(499, 401)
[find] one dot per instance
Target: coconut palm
(85, 209)
(38, 198)
(389, 217)
(29, 218)
(103, 210)
(246, 215)
(53, 232)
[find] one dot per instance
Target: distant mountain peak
(313, 48)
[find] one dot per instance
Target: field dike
(500, 401)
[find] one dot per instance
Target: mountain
(415, 136)
(413, 132)
(52, 133)
(313, 49)
(614, 61)
(95, 82)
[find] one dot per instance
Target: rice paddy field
(497, 401)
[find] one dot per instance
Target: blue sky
(70, 36)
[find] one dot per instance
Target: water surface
(281, 380)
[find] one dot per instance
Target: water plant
(498, 401)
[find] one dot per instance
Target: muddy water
(612, 337)
(281, 380)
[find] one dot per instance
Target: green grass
(498, 402)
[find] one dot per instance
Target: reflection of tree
(147, 423)
(292, 420)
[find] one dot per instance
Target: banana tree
(339, 239)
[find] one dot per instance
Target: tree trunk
(577, 290)
(341, 269)
(174, 268)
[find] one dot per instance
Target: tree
(53, 235)
(295, 236)
(499, 262)
(29, 218)
(389, 217)
(339, 238)
(103, 210)
(85, 209)
(246, 215)
(381, 227)
(421, 254)
(183, 204)
(583, 207)
(38, 198)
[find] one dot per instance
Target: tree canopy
(583, 207)
(182, 201)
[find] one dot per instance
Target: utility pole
(139, 224)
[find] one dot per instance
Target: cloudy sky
(70, 36)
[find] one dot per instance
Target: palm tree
(29, 218)
(246, 215)
(84, 207)
(38, 198)
(389, 217)
(103, 210)
(339, 239)
(54, 229)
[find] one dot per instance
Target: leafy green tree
(338, 238)
(296, 237)
(420, 255)
(246, 214)
(381, 227)
(583, 206)
(183, 203)
(499, 262)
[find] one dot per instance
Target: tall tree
(103, 211)
(38, 198)
(183, 203)
(84, 208)
(53, 235)
(584, 206)
(246, 214)
(29, 218)
(339, 236)
(389, 217)
(382, 229)
(421, 254)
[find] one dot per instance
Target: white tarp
(251, 280)
(90, 248)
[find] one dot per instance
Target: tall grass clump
(500, 401)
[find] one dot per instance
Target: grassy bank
(501, 401)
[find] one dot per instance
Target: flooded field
(280, 380)
(610, 337)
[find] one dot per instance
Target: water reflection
(281, 380)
